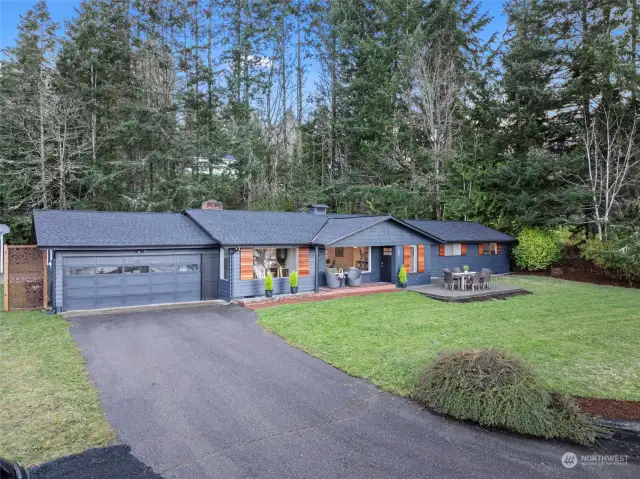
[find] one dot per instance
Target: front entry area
(104, 281)
(385, 264)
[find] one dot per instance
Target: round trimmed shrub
(537, 249)
(494, 389)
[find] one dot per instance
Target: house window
(224, 264)
(453, 249)
(489, 248)
(387, 251)
(413, 258)
(349, 257)
(278, 261)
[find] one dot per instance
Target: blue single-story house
(101, 259)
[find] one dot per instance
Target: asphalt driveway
(205, 392)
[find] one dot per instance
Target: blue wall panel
(496, 263)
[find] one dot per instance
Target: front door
(210, 275)
(385, 264)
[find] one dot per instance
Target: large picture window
(278, 261)
(413, 249)
(349, 257)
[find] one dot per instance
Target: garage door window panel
(163, 268)
(188, 268)
(140, 269)
(80, 271)
(108, 269)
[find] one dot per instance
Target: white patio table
(463, 277)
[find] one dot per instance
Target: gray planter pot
(268, 293)
(294, 289)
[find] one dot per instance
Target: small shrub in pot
(402, 277)
(293, 282)
(268, 285)
(494, 389)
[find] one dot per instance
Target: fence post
(6, 278)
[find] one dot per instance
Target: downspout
(317, 263)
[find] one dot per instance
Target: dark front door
(385, 263)
(210, 275)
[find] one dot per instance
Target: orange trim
(441, 250)
(303, 261)
(480, 249)
(246, 263)
(420, 258)
(499, 248)
(407, 258)
(464, 249)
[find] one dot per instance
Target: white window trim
(368, 259)
(414, 263)
(223, 276)
(358, 248)
(453, 248)
(297, 253)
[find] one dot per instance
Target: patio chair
(449, 281)
(332, 280)
(354, 277)
(457, 270)
(476, 281)
(486, 280)
(445, 270)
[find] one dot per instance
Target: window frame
(489, 250)
(413, 258)
(224, 255)
(453, 247)
(368, 270)
(296, 251)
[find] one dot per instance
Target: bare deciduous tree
(434, 96)
(613, 162)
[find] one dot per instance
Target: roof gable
(461, 231)
(76, 228)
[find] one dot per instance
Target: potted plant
(293, 282)
(402, 277)
(465, 267)
(268, 285)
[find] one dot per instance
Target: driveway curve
(205, 392)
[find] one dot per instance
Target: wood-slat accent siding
(499, 248)
(480, 250)
(406, 260)
(441, 250)
(246, 263)
(303, 261)
(463, 249)
(420, 258)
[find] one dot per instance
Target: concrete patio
(497, 291)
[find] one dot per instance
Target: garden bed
(610, 408)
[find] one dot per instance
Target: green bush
(402, 275)
(620, 255)
(494, 389)
(537, 249)
(268, 282)
(293, 279)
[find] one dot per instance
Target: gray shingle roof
(58, 228)
(259, 228)
(336, 228)
(470, 231)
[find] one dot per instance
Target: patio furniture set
(337, 278)
(463, 279)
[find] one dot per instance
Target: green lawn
(582, 339)
(48, 407)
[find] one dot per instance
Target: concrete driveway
(206, 392)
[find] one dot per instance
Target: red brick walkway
(323, 295)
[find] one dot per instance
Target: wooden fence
(25, 278)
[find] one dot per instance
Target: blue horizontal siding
(498, 263)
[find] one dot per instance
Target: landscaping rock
(556, 272)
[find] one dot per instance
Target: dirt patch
(583, 271)
(610, 408)
(113, 461)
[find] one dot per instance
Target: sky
(61, 10)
